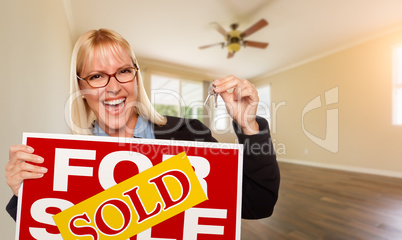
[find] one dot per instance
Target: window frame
(397, 85)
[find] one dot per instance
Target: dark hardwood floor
(317, 203)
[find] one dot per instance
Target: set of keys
(212, 93)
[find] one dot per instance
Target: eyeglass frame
(110, 76)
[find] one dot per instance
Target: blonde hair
(81, 116)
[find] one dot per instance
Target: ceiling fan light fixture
(233, 47)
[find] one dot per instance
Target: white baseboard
(385, 173)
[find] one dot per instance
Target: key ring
(212, 93)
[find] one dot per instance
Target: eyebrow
(97, 71)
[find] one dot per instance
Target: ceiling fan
(235, 39)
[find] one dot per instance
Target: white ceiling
(171, 31)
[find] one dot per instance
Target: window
(177, 97)
(264, 93)
(397, 85)
(221, 118)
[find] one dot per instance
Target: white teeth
(114, 102)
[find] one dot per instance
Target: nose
(114, 86)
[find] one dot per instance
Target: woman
(108, 98)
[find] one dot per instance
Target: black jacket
(260, 169)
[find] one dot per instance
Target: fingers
(241, 88)
(241, 103)
(23, 153)
(21, 172)
(25, 170)
(20, 147)
(22, 165)
(226, 83)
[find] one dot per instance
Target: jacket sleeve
(260, 169)
(12, 207)
(261, 174)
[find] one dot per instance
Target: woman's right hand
(19, 166)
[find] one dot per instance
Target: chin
(116, 127)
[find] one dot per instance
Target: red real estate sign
(80, 167)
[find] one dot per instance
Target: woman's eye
(124, 71)
(95, 76)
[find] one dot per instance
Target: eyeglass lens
(102, 79)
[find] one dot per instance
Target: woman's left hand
(241, 103)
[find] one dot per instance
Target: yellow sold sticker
(135, 204)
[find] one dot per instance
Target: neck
(125, 131)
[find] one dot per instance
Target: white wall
(364, 138)
(35, 49)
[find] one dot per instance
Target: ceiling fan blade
(212, 45)
(255, 44)
(257, 26)
(220, 29)
(230, 54)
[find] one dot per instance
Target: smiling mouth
(114, 105)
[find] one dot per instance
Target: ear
(82, 93)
